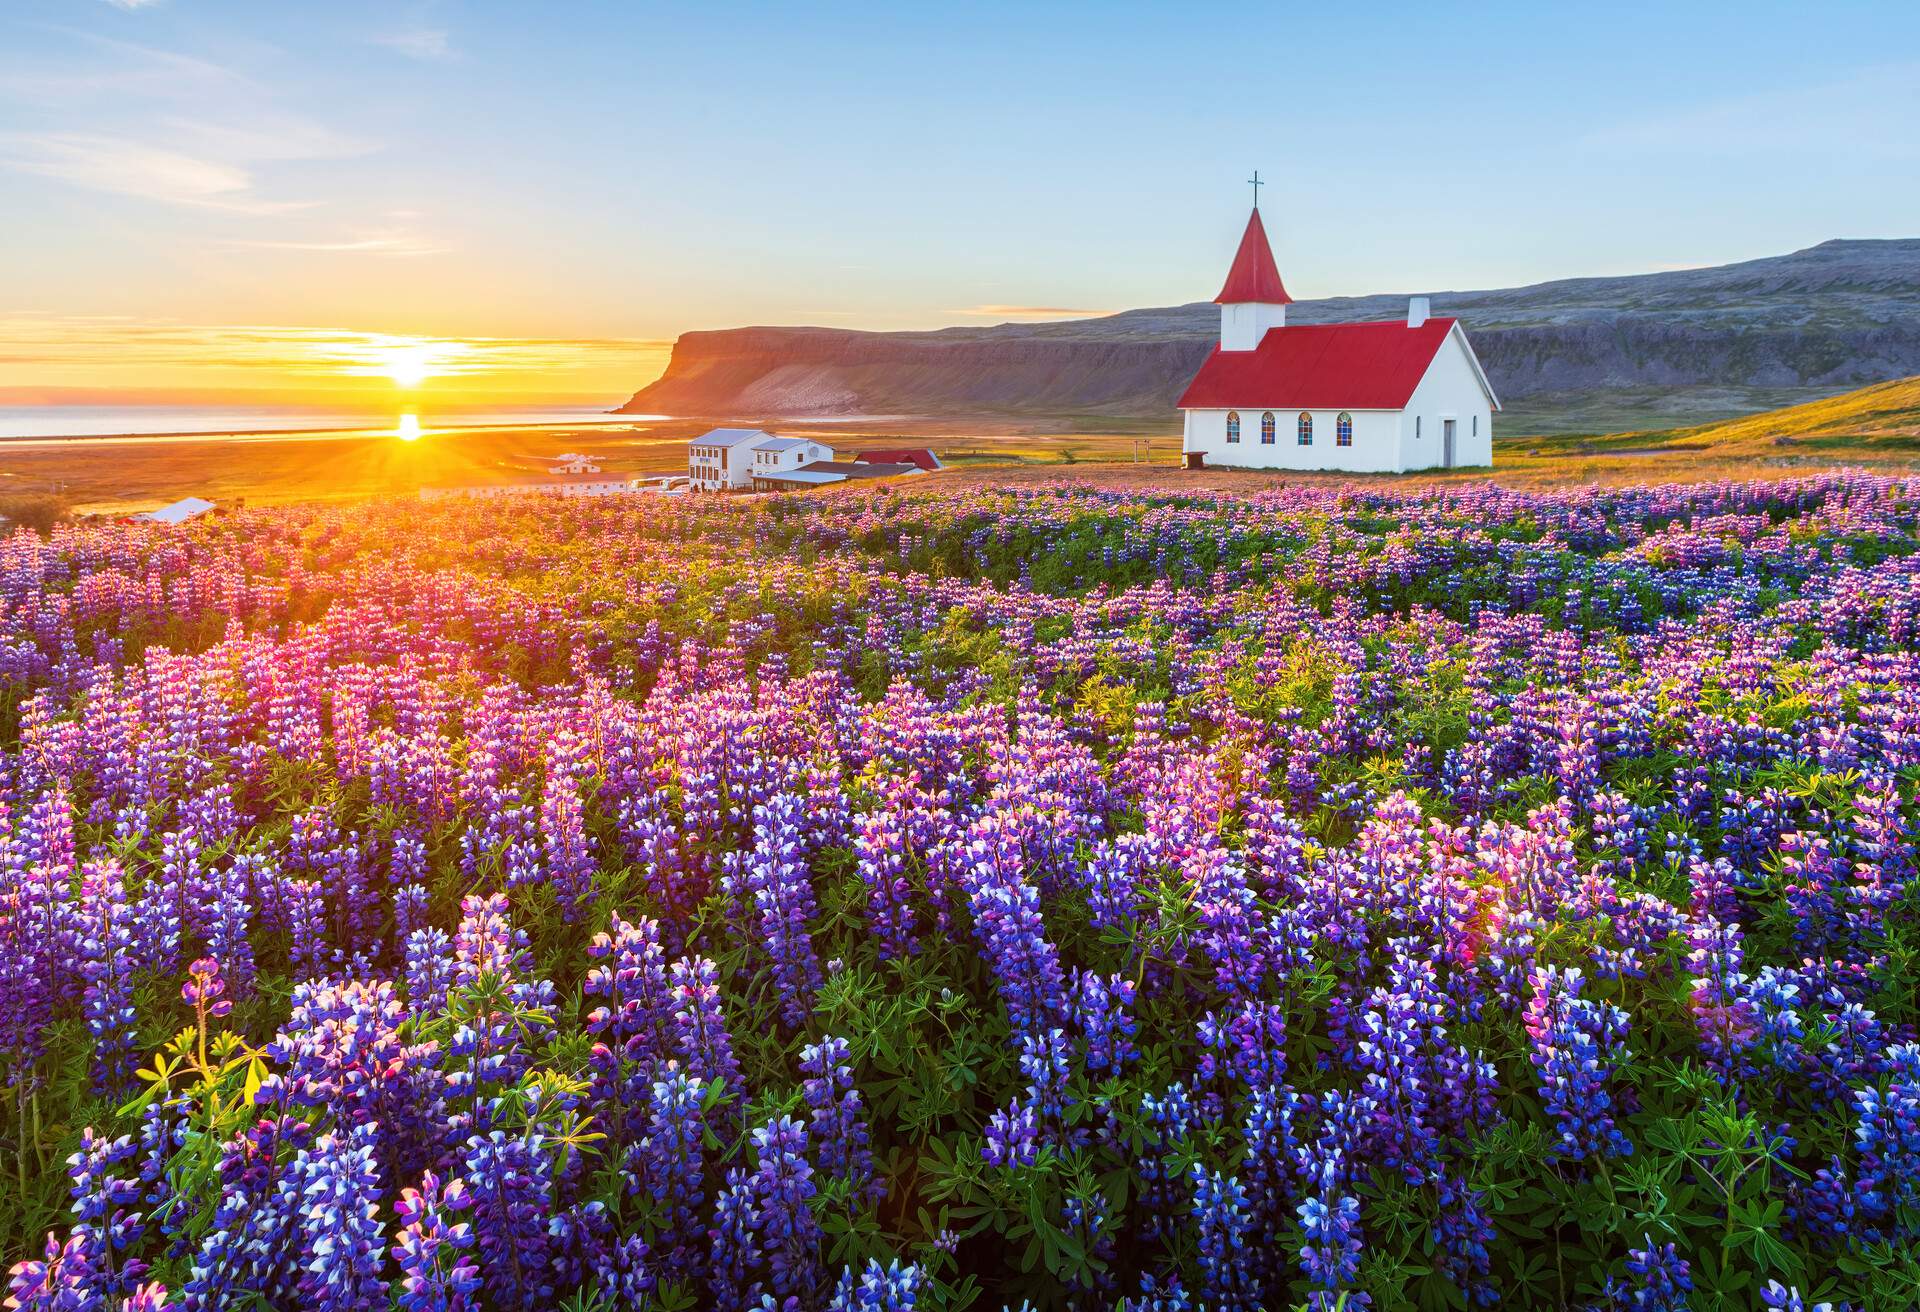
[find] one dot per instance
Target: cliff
(1836, 315)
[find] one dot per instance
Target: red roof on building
(1321, 366)
(903, 455)
(1254, 276)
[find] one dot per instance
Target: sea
(49, 421)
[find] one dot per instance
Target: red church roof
(1254, 276)
(1322, 366)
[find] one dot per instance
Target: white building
(1361, 397)
(725, 458)
(573, 463)
(780, 455)
(179, 512)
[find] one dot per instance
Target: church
(1354, 397)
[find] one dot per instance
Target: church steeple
(1254, 276)
(1254, 299)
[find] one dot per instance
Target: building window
(1343, 430)
(1266, 429)
(1233, 425)
(1416, 425)
(1476, 425)
(1306, 429)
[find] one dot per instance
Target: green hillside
(1882, 419)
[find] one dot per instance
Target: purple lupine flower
(1248, 1046)
(1164, 1295)
(630, 1025)
(1012, 1136)
(566, 845)
(701, 1039)
(733, 1244)
(1330, 1255)
(1006, 920)
(205, 990)
(773, 885)
(1577, 1044)
(410, 903)
(1461, 1231)
(1272, 1148)
(1103, 1006)
(1887, 1136)
(433, 1249)
(342, 1249)
(783, 1191)
(107, 964)
(889, 1288)
(429, 968)
(510, 1182)
(1658, 1279)
(669, 1165)
(249, 1251)
(227, 941)
(94, 1267)
(839, 1130)
(880, 844)
(1777, 1297)
(1229, 1280)
(307, 912)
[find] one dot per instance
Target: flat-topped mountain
(1733, 338)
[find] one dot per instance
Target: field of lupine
(1342, 897)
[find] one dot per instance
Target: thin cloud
(130, 70)
(132, 120)
(133, 168)
(1029, 312)
(394, 244)
(131, 5)
(430, 44)
(101, 342)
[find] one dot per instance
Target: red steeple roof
(1254, 276)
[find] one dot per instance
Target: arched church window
(1306, 429)
(1266, 429)
(1343, 430)
(1233, 425)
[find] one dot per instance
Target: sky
(528, 200)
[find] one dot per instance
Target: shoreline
(595, 419)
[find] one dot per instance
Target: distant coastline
(96, 423)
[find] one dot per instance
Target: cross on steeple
(1257, 184)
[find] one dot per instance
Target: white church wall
(1449, 390)
(1244, 323)
(1376, 441)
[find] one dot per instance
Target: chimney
(1417, 311)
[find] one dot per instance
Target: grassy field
(1877, 427)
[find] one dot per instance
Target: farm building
(1360, 397)
(178, 513)
(820, 473)
(918, 456)
(727, 458)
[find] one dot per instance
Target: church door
(1446, 443)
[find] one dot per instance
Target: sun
(408, 429)
(409, 365)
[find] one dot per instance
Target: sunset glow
(408, 429)
(408, 366)
(44, 355)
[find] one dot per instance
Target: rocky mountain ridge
(1837, 315)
